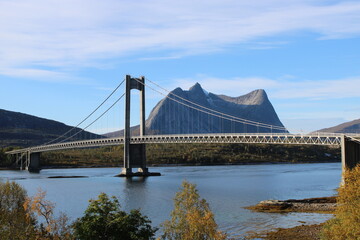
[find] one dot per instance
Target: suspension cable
(213, 114)
(95, 119)
(88, 115)
(216, 113)
(212, 110)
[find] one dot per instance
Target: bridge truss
(334, 140)
(134, 146)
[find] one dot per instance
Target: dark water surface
(227, 189)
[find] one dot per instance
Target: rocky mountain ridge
(169, 117)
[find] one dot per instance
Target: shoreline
(170, 165)
(278, 206)
(323, 205)
(302, 232)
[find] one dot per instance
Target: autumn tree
(191, 218)
(346, 223)
(50, 227)
(14, 222)
(103, 219)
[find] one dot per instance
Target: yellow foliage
(346, 223)
(14, 224)
(191, 218)
(19, 216)
(54, 228)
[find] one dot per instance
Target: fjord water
(227, 189)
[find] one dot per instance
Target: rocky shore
(319, 205)
(303, 232)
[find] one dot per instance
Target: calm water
(227, 188)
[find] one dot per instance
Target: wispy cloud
(42, 75)
(319, 90)
(281, 88)
(78, 33)
(233, 86)
(159, 58)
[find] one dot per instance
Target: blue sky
(59, 59)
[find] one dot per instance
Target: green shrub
(103, 219)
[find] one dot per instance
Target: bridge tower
(350, 153)
(33, 162)
(134, 154)
(29, 161)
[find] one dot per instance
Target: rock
(274, 205)
(327, 204)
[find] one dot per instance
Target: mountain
(347, 127)
(19, 129)
(169, 117)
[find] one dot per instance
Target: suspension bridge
(134, 146)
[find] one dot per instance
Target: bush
(103, 219)
(5, 160)
(14, 222)
(19, 216)
(191, 218)
(346, 223)
(51, 227)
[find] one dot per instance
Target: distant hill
(19, 129)
(347, 127)
(168, 117)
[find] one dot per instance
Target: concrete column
(19, 160)
(33, 162)
(350, 153)
(142, 107)
(143, 167)
(127, 165)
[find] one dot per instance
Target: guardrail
(268, 138)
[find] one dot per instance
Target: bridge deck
(314, 139)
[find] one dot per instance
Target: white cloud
(282, 88)
(318, 90)
(233, 86)
(41, 75)
(77, 33)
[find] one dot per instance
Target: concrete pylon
(134, 154)
(33, 162)
(350, 154)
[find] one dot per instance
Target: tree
(191, 218)
(5, 160)
(19, 215)
(14, 221)
(51, 227)
(103, 219)
(346, 223)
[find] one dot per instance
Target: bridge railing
(277, 138)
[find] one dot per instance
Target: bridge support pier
(350, 154)
(33, 162)
(134, 154)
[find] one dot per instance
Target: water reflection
(135, 192)
(227, 189)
